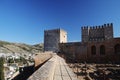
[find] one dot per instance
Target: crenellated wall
(98, 45)
(85, 34)
(82, 51)
(108, 31)
(97, 33)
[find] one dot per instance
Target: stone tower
(108, 31)
(52, 38)
(85, 34)
(97, 33)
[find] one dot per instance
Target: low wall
(46, 71)
(41, 58)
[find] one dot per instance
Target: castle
(98, 44)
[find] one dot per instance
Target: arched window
(102, 50)
(93, 50)
(117, 48)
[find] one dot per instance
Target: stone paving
(54, 69)
(62, 71)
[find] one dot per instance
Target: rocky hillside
(7, 47)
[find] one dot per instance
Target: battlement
(109, 25)
(101, 32)
(85, 27)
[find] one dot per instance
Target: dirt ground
(86, 71)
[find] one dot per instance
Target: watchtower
(52, 38)
(97, 33)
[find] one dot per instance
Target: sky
(24, 21)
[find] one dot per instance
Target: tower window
(93, 50)
(102, 50)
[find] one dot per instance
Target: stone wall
(42, 58)
(52, 38)
(54, 69)
(46, 71)
(74, 50)
(63, 36)
(82, 51)
(110, 54)
(97, 33)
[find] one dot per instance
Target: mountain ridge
(12, 47)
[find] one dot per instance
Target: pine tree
(1, 69)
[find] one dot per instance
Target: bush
(10, 61)
(1, 69)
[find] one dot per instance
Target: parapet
(97, 27)
(84, 27)
(52, 30)
(108, 25)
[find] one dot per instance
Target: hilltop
(9, 47)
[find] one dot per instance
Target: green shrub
(1, 69)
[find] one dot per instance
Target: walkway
(62, 71)
(54, 69)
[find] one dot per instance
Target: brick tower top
(97, 33)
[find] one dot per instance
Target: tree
(1, 69)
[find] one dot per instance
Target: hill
(8, 47)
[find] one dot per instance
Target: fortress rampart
(97, 33)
